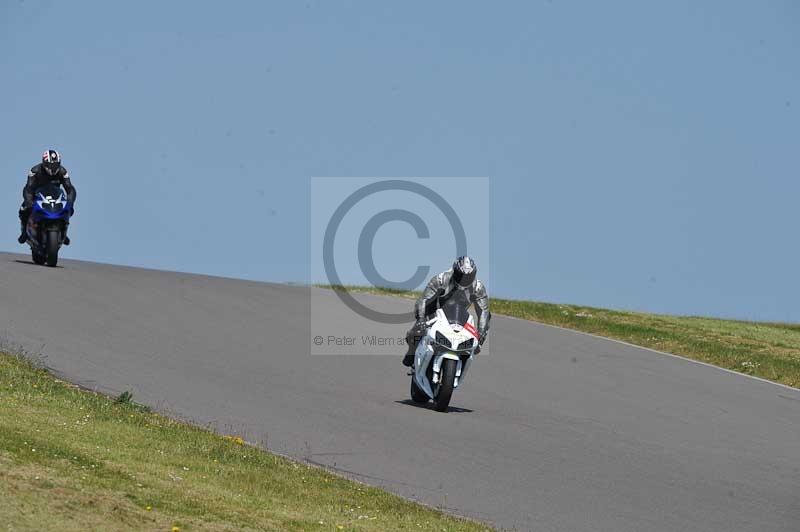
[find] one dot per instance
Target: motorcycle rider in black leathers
(462, 276)
(49, 171)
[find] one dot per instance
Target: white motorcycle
(444, 354)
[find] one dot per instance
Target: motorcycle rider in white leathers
(462, 276)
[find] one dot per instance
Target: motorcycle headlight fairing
(466, 344)
(442, 340)
(52, 204)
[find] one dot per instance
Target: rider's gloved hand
(481, 339)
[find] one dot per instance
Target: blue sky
(642, 155)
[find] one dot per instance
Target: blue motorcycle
(47, 224)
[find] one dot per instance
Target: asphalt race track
(552, 430)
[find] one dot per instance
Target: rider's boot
(23, 224)
(412, 337)
(408, 359)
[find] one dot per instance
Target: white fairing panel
(423, 359)
(426, 349)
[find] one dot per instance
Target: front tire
(442, 399)
(53, 245)
(417, 395)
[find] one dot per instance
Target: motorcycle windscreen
(456, 307)
(52, 190)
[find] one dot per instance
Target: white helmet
(464, 271)
(51, 161)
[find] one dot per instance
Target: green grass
(767, 350)
(75, 460)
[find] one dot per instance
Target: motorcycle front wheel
(442, 399)
(53, 244)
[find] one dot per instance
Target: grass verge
(767, 350)
(75, 460)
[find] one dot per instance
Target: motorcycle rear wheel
(417, 395)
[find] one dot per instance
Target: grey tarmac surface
(552, 431)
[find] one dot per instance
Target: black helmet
(464, 271)
(51, 161)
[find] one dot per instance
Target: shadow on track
(31, 263)
(429, 406)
